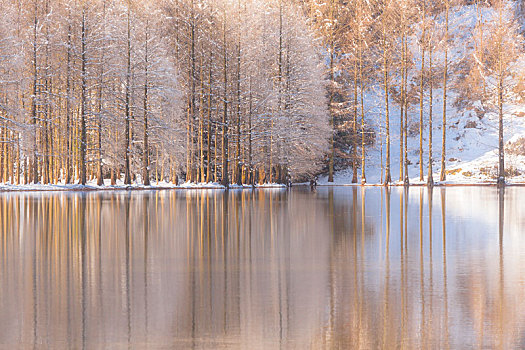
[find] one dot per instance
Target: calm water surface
(336, 268)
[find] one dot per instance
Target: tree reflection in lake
(335, 268)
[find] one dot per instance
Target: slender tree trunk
(27, 171)
(225, 180)
(18, 155)
(331, 96)
(201, 123)
(480, 50)
(250, 146)
(46, 125)
(127, 143)
(501, 148)
(189, 139)
(191, 98)
(443, 175)
(68, 102)
(361, 91)
(208, 154)
(83, 136)
(5, 152)
(430, 180)
(421, 94)
(406, 182)
(238, 163)
(34, 111)
(279, 97)
(402, 109)
(354, 127)
(388, 175)
(216, 149)
(100, 174)
(145, 154)
(3, 143)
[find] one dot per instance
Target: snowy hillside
(472, 133)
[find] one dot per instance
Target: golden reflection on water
(335, 268)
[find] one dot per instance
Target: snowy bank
(120, 186)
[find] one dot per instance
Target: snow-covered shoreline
(214, 186)
(92, 187)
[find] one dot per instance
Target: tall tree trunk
(406, 182)
(100, 174)
(361, 91)
(225, 180)
(430, 180)
(4, 164)
(69, 96)
(501, 148)
(216, 148)
(145, 154)
(250, 146)
(443, 175)
(127, 143)
(331, 95)
(238, 171)
(83, 136)
(421, 93)
(402, 110)
(354, 128)
(208, 153)
(191, 98)
(46, 125)
(19, 164)
(388, 175)
(189, 138)
(201, 122)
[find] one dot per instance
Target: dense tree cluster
(229, 91)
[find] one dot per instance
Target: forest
(256, 91)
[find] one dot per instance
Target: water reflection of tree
(264, 269)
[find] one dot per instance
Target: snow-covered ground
(472, 133)
(92, 186)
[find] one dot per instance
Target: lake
(341, 267)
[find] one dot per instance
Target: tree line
(241, 91)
